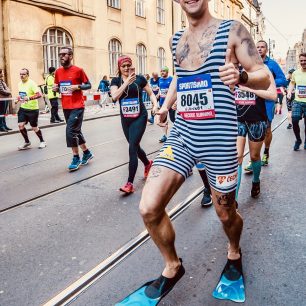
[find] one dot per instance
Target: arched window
(141, 54)
(53, 40)
(161, 55)
(114, 51)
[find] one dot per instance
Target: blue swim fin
(230, 290)
(139, 298)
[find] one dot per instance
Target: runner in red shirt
(70, 80)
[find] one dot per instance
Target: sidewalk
(92, 112)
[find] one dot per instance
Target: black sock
(39, 135)
(86, 152)
(24, 133)
(205, 179)
(76, 155)
(266, 151)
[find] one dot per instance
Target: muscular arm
(269, 94)
(246, 53)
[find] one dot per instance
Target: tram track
(72, 292)
(63, 187)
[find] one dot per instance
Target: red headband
(124, 59)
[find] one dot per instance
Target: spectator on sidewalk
(52, 96)
(4, 93)
(104, 85)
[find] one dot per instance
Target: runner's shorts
(28, 116)
(270, 110)
(256, 131)
(74, 120)
(219, 157)
(298, 110)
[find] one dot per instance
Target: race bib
(195, 99)
(244, 97)
(301, 91)
(22, 94)
(163, 92)
(65, 89)
(155, 88)
(130, 108)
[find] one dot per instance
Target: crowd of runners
(225, 90)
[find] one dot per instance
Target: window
(216, 5)
(53, 40)
(114, 51)
(223, 9)
(161, 55)
(160, 11)
(114, 3)
(228, 12)
(140, 8)
(141, 54)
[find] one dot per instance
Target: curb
(59, 124)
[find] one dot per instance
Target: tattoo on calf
(155, 172)
(226, 199)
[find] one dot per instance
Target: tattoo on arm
(246, 39)
(227, 199)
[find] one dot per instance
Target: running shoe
(25, 146)
(255, 191)
(265, 160)
(297, 145)
(75, 164)
(206, 200)
(42, 145)
(127, 188)
(147, 168)
(86, 158)
(248, 168)
(151, 120)
(163, 139)
(289, 126)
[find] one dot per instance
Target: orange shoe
(127, 188)
(147, 168)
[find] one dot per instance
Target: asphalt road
(49, 243)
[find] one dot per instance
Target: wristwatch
(243, 77)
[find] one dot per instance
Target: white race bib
(65, 89)
(195, 99)
(130, 108)
(163, 92)
(244, 97)
(301, 91)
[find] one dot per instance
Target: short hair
(51, 69)
(70, 50)
(27, 70)
(263, 41)
(303, 54)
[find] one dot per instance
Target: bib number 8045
(195, 99)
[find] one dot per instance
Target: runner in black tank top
(252, 122)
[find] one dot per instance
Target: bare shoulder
(241, 41)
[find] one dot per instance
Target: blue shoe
(206, 200)
(163, 139)
(75, 164)
(297, 145)
(86, 158)
(151, 120)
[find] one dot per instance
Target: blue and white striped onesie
(209, 141)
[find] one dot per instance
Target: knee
(35, 129)
(21, 126)
(255, 156)
(149, 212)
(295, 120)
(227, 216)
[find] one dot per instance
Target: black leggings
(296, 128)
(133, 131)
